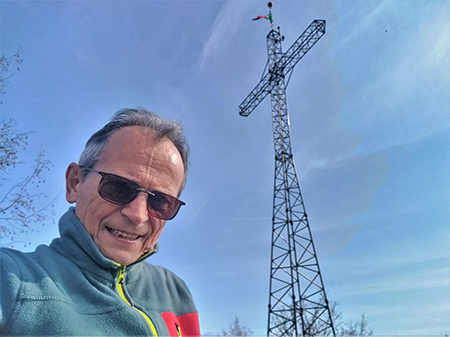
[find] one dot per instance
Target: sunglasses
(121, 191)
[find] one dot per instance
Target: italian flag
(268, 17)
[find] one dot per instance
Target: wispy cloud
(404, 94)
(225, 26)
(419, 69)
(422, 280)
(366, 23)
(406, 253)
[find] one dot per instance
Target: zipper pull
(178, 330)
(121, 286)
(121, 275)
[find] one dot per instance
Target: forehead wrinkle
(155, 161)
(137, 154)
(145, 173)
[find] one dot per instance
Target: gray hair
(164, 128)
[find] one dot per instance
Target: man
(93, 280)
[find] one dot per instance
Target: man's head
(163, 128)
(145, 149)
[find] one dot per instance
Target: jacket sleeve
(10, 277)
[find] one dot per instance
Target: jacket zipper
(127, 299)
(178, 330)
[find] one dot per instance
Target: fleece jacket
(70, 288)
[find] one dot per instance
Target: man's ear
(73, 180)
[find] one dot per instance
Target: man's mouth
(122, 235)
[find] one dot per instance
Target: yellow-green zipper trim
(178, 330)
(120, 281)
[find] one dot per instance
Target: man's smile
(123, 235)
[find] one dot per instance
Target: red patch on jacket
(184, 325)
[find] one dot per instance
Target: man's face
(124, 233)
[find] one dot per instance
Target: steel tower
(298, 304)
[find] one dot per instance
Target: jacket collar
(76, 244)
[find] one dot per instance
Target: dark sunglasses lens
(163, 206)
(117, 190)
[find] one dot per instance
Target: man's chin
(120, 256)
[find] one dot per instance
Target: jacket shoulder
(26, 274)
(27, 266)
(163, 285)
(10, 278)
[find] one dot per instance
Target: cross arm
(288, 60)
(256, 95)
(299, 48)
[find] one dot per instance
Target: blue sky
(369, 112)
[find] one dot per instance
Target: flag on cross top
(268, 17)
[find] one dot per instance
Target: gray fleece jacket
(70, 289)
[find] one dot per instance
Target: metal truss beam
(286, 64)
(298, 304)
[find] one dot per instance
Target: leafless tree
(20, 203)
(236, 329)
(6, 63)
(319, 328)
(359, 328)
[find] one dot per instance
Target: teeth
(123, 235)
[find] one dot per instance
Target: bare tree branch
(6, 62)
(20, 206)
(318, 327)
(236, 329)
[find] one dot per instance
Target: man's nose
(136, 210)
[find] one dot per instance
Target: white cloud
(419, 69)
(366, 23)
(414, 282)
(404, 98)
(427, 54)
(225, 26)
